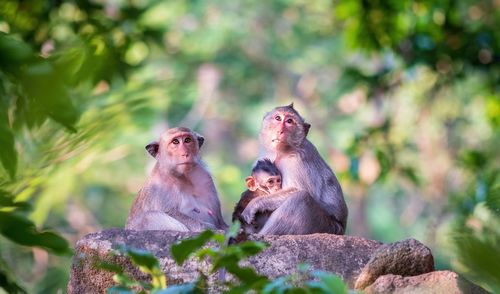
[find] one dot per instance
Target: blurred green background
(403, 98)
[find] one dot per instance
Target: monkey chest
(193, 206)
(292, 171)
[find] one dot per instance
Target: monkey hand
(249, 214)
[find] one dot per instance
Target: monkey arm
(191, 223)
(265, 203)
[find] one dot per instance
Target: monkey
(317, 204)
(179, 194)
(264, 180)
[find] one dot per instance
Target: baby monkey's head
(265, 177)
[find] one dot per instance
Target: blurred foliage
(403, 97)
(223, 257)
(147, 264)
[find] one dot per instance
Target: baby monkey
(265, 180)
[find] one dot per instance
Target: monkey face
(271, 183)
(283, 128)
(178, 149)
(264, 182)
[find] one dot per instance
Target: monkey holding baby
(311, 199)
(179, 194)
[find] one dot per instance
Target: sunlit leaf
(7, 200)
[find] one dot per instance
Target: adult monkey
(318, 206)
(179, 194)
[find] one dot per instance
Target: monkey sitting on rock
(316, 205)
(179, 194)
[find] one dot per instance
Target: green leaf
(277, 286)
(479, 257)
(13, 51)
(8, 155)
(189, 288)
(7, 282)
(110, 267)
(22, 231)
(245, 274)
(233, 230)
(120, 290)
(7, 200)
(329, 282)
(143, 258)
(182, 250)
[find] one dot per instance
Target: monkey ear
(290, 106)
(200, 139)
(251, 184)
(306, 128)
(152, 148)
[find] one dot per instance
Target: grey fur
(317, 203)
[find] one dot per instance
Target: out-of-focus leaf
(189, 288)
(410, 173)
(245, 274)
(149, 264)
(120, 290)
(7, 282)
(474, 159)
(480, 258)
(182, 250)
(329, 283)
(277, 286)
(22, 231)
(7, 200)
(46, 89)
(110, 267)
(233, 230)
(54, 281)
(8, 155)
(13, 51)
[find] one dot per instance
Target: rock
(343, 255)
(435, 282)
(408, 257)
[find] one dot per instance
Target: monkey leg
(157, 220)
(300, 215)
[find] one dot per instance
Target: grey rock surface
(437, 282)
(343, 255)
(408, 257)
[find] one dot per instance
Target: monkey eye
(278, 180)
(270, 182)
(188, 140)
(290, 121)
(175, 141)
(278, 118)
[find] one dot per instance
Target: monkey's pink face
(181, 148)
(264, 181)
(281, 129)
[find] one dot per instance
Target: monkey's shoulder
(248, 196)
